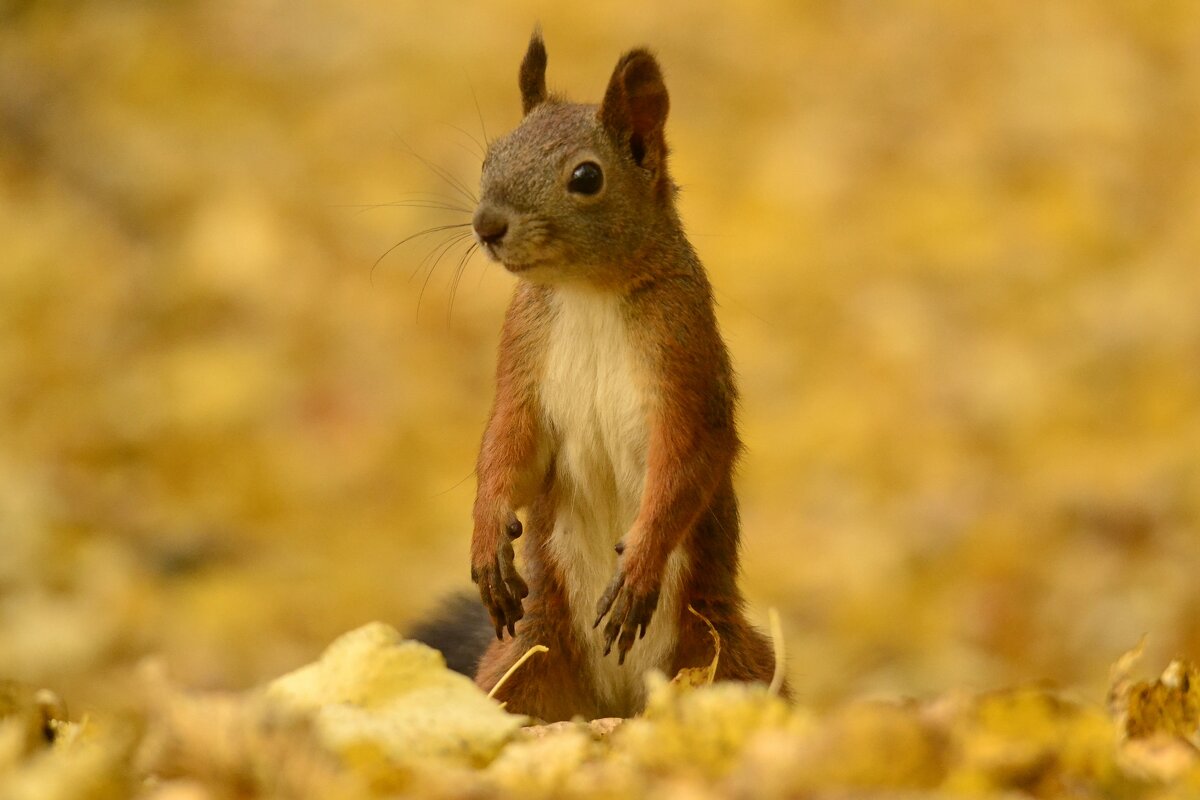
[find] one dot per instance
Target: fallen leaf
(374, 697)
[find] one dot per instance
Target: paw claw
(514, 528)
(501, 587)
(629, 612)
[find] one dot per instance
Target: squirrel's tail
(460, 628)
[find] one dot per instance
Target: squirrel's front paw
(500, 585)
(631, 609)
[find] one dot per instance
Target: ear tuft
(532, 77)
(635, 109)
(645, 92)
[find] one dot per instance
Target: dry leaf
(1168, 705)
(705, 726)
(701, 676)
(376, 698)
(1158, 722)
(230, 741)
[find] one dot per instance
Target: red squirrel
(612, 431)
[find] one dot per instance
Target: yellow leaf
(543, 765)
(1158, 721)
(701, 676)
(1170, 704)
(374, 697)
(706, 726)
(845, 751)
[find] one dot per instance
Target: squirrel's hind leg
(551, 686)
(746, 653)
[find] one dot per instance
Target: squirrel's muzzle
(490, 224)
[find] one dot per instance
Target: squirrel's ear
(635, 109)
(532, 77)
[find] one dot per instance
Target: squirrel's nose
(490, 224)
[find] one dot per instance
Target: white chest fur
(597, 399)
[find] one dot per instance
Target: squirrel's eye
(586, 178)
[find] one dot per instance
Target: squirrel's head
(575, 191)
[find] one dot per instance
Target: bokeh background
(955, 247)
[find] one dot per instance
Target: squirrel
(612, 430)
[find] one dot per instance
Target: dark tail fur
(460, 628)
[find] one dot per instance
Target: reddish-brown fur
(687, 498)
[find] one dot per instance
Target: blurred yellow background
(954, 246)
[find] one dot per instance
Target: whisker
(461, 200)
(483, 273)
(459, 269)
(430, 197)
(410, 237)
(415, 195)
(455, 182)
(442, 173)
(468, 151)
(439, 251)
(429, 276)
(478, 111)
(433, 205)
(482, 149)
(461, 481)
(414, 200)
